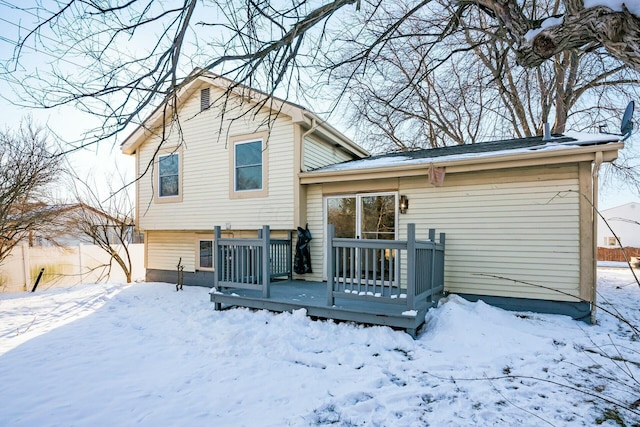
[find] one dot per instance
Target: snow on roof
(477, 150)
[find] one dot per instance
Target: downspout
(594, 218)
(313, 127)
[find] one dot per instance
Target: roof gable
(153, 124)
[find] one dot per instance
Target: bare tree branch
(27, 169)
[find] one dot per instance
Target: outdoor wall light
(404, 204)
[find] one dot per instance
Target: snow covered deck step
(293, 295)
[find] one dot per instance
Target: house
(517, 214)
(239, 170)
(69, 224)
(622, 222)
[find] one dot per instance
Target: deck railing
(408, 272)
(240, 262)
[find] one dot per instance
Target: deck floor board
(292, 295)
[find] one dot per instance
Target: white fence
(64, 266)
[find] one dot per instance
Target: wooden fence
(615, 254)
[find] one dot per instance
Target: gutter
(597, 162)
(314, 126)
(332, 133)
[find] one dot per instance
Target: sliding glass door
(364, 216)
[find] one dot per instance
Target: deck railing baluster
(374, 273)
(344, 268)
(392, 276)
(357, 272)
(367, 253)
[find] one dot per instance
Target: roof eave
(335, 135)
(501, 161)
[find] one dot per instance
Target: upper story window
(169, 175)
(248, 165)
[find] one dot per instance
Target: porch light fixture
(404, 204)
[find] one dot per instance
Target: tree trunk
(617, 32)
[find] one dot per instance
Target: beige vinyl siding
(520, 225)
(207, 173)
(315, 217)
(319, 153)
(165, 248)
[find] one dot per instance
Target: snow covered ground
(118, 355)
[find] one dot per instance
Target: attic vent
(204, 99)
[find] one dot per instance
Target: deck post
(434, 251)
(290, 254)
(330, 264)
(441, 264)
(217, 261)
(266, 264)
(411, 265)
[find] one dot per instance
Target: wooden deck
(378, 282)
(289, 295)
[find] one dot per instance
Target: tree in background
(476, 90)
(28, 169)
(275, 46)
(107, 221)
(529, 59)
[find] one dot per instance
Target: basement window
(205, 254)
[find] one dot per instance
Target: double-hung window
(169, 175)
(248, 165)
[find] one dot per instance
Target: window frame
(358, 196)
(236, 140)
(204, 238)
(156, 176)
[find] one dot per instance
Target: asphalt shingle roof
(481, 148)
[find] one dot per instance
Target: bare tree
(478, 91)
(270, 46)
(28, 167)
(106, 222)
